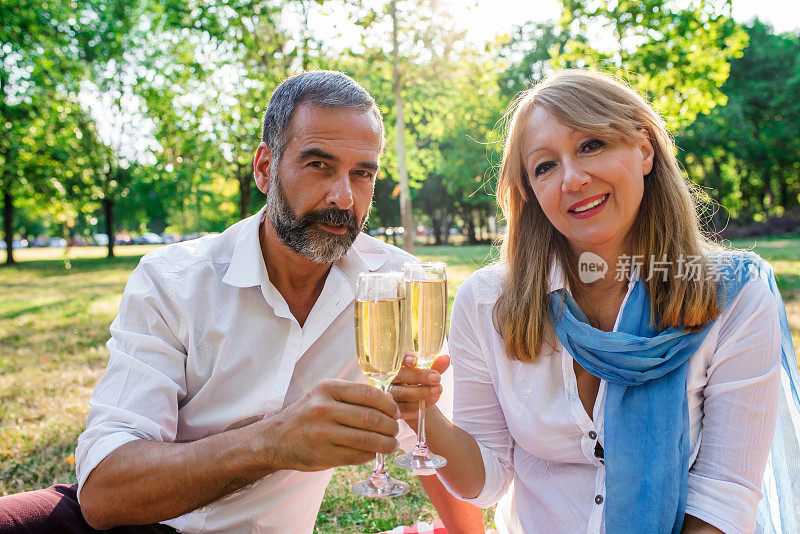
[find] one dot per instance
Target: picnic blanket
(424, 528)
(419, 528)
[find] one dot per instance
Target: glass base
(420, 459)
(378, 487)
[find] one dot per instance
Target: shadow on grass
(50, 306)
(69, 306)
(58, 266)
(71, 288)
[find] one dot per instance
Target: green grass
(53, 328)
(54, 316)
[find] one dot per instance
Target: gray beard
(301, 234)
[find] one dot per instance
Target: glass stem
(380, 467)
(421, 426)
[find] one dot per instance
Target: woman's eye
(543, 168)
(591, 145)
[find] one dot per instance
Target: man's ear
(262, 166)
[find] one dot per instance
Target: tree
(528, 52)
(46, 50)
(679, 56)
(746, 153)
(462, 130)
(400, 124)
(423, 37)
(109, 154)
(265, 54)
(206, 84)
(27, 78)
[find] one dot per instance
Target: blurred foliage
(134, 116)
(747, 153)
(676, 53)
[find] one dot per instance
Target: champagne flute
(380, 331)
(426, 292)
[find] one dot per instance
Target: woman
(639, 398)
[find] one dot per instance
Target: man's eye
(543, 168)
(363, 174)
(592, 145)
(318, 164)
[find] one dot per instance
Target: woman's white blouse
(538, 443)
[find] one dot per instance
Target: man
(232, 385)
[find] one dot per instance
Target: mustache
(333, 217)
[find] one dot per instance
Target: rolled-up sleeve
(739, 414)
(138, 395)
(476, 408)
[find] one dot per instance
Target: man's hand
(142, 482)
(412, 385)
(336, 423)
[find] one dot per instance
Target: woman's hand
(464, 471)
(412, 385)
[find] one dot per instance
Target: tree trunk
(245, 181)
(782, 193)
(406, 215)
(108, 211)
(437, 223)
(8, 224)
(747, 195)
(304, 59)
(716, 220)
(470, 222)
(791, 196)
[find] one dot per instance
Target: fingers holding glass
(408, 398)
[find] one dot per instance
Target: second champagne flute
(426, 293)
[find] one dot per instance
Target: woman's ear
(262, 166)
(648, 153)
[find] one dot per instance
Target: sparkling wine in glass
(426, 293)
(380, 315)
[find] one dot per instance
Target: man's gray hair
(324, 88)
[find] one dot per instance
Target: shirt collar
(364, 255)
(247, 269)
(558, 279)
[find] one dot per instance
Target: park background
(139, 119)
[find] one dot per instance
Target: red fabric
(419, 528)
(55, 510)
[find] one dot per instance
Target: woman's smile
(589, 207)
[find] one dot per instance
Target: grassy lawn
(55, 310)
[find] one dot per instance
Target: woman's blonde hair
(666, 226)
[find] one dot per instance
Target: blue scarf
(646, 411)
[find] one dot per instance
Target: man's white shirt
(204, 343)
